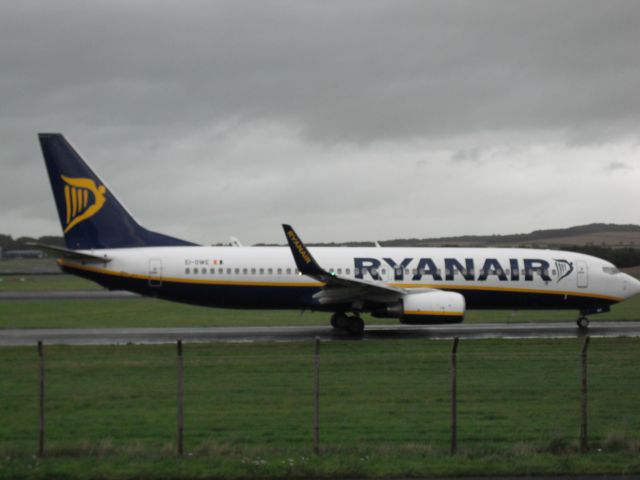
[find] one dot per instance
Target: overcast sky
(352, 120)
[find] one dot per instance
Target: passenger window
(347, 271)
(270, 271)
(297, 272)
(339, 271)
(237, 271)
(279, 271)
(204, 271)
(245, 271)
(221, 271)
(195, 270)
(228, 271)
(288, 271)
(253, 271)
(262, 271)
(187, 271)
(212, 271)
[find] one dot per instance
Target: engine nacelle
(435, 306)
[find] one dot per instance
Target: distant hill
(7, 242)
(607, 235)
(596, 234)
(619, 244)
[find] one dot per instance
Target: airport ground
(111, 410)
(143, 312)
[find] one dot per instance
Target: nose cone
(632, 286)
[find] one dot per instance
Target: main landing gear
(352, 324)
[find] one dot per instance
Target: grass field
(45, 282)
(384, 410)
(146, 312)
(29, 265)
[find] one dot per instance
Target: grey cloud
(210, 117)
(616, 165)
(365, 71)
(466, 155)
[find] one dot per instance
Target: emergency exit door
(583, 274)
(155, 272)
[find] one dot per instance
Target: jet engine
(430, 307)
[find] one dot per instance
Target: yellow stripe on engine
(433, 313)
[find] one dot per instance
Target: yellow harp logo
(83, 200)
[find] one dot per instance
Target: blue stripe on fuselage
(300, 297)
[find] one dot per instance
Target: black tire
(355, 325)
(339, 321)
(583, 323)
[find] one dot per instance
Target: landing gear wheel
(339, 321)
(583, 322)
(355, 325)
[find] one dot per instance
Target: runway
(115, 336)
(67, 295)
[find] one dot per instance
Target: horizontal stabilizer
(70, 254)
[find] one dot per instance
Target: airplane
(104, 243)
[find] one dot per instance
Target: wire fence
(519, 395)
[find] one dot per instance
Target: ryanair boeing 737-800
(415, 285)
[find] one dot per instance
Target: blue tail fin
(90, 215)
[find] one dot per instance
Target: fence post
(316, 397)
(454, 397)
(180, 400)
(583, 397)
(40, 400)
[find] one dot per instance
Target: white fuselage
(244, 277)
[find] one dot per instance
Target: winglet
(303, 258)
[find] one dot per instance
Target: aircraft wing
(337, 289)
(70, 254)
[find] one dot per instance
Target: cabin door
(583, 274)
(155, 272)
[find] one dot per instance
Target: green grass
(45, 282)
(384, 410)
(146, 312)
(157, 313)
(28, 265)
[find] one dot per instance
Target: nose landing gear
(582, 322)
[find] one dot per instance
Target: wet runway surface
(107, 336)
(66, 295)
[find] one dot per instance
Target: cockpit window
(610, 270)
